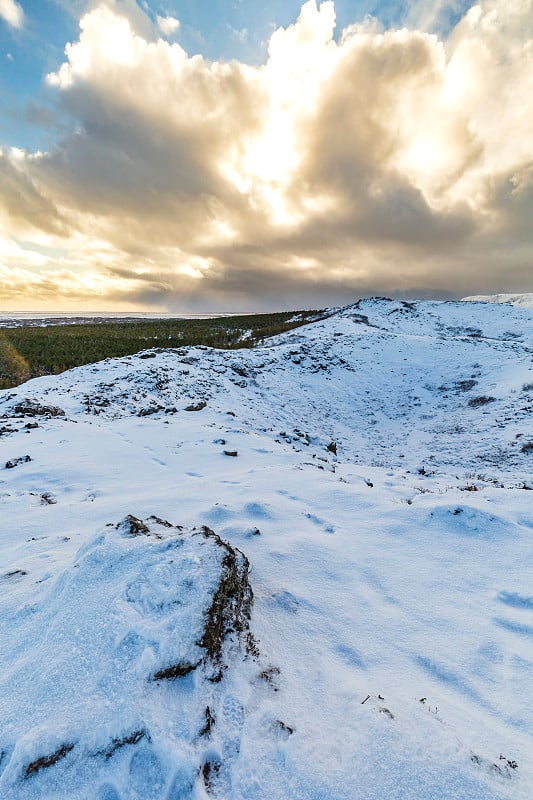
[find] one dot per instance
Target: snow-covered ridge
(363, 480)
(525, 299)
(390, 382)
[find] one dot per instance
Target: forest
(29, 351)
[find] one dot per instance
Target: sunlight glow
(195, 268)
(300, 59)
(168, 172)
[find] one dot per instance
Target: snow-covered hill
(300, 571)
(524, 299)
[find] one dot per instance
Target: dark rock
(231, 453)
(174, 671)
(361, 319)
(332, 447)
(146, 412)
(132, 526)
(31, 408)
(6, 429)
(209, 722)
(196, 406)
(465, 386)
(271, 676)
(47, 499)
(231, 608)
(48, 761)
(210, 771)
(16, 573)
(164, 522)
(117, 744)
(16, 461)
(286, 728)
(480, 401)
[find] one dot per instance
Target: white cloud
(168, 25)
(241, 34)
(12, 13)
(389, 160)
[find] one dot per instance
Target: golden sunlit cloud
(369, 161)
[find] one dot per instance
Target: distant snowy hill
(298, 571)
(525, 299)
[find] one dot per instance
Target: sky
(179, 155)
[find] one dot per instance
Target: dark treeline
(27, 351)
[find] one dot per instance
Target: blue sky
(230, 156)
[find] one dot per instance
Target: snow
(524, 299)
(392, 581)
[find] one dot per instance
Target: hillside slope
(524, 299)
(361, 629)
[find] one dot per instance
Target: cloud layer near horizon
(386, 161)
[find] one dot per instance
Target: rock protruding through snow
(140, 599)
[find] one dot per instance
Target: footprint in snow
(216, 769)
(516, 600)
(107, 792)
(350, 655)
(91, 497)
(216, 777)
(14, 575)
(281, 730)
(182, 786)
(258, 511)
(219, 513)
(232, 724)
(130, 647)
(146, 775)
(320, 523)
(287, 601)
(514, 627)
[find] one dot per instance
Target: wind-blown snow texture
(390, 651)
